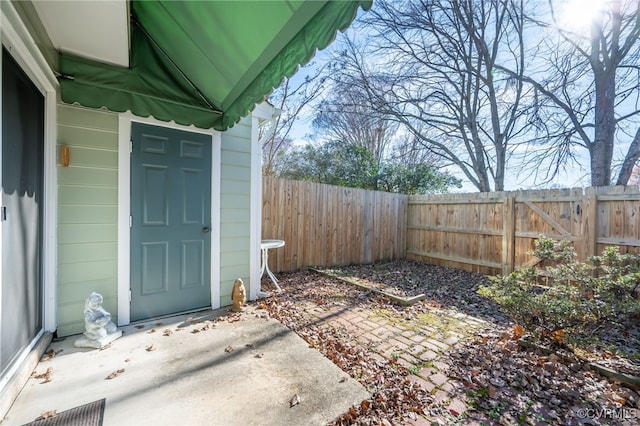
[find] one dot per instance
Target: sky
(575, 15)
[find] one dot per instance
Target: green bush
(567, 298)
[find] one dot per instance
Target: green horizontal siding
(82, 272)
(235, 201)
(235, 230)
(86, 137)
(235, 198)
(72, 293)
(87, 214)
(233, 244)
(235, 173)
(237, 187)
(89, 176)
(236, 257)
(234, 215)
(79, 194)
(234, 158)
(82, 214)
(83, 233)
(87, 252)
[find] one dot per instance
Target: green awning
(206, 63)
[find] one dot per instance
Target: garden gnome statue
(99, 329)
(238, 295)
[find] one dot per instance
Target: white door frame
(124, 208)
(15, 37)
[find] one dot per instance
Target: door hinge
(130, 147)
(130, 221)
(3, 214)
(129, 295)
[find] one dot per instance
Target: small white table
(265, 245)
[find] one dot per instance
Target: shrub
(568, 297)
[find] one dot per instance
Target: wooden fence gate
(494, 232)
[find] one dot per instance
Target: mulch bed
(503, 382)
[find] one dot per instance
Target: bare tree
(432, 67)
(589, 85)
(291, 98)
(346, 115)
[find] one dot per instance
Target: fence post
(589, 222)
(508, 233)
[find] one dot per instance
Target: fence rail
(489, 233)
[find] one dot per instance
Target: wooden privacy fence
(493, 232)
(490, 233)
(325, 225)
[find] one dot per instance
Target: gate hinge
(130, 221)
(130, 147)
(3, 214)
(129, 295)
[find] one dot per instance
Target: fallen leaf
(107, 346)
(115, 374)
(167, 332)
(158, 324)
(518, 331)
(249, 345)
(47, 415)
(260, 355)
(195, 330)
(558, 335)
(150, 348)
(344, 379)
(46, 375)
(127, 360)
(50, 354)
(153, 330)
(295, 400)
(139, 326)
(228, 349)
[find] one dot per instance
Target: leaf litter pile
(500, 381)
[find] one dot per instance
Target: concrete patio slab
(230, 372)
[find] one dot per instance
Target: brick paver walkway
(417, 342)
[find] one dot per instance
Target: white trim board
(124, 208)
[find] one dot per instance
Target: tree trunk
(605, 127)
(633, 154)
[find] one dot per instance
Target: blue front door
(170, 221)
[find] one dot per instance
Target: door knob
(205, 230)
